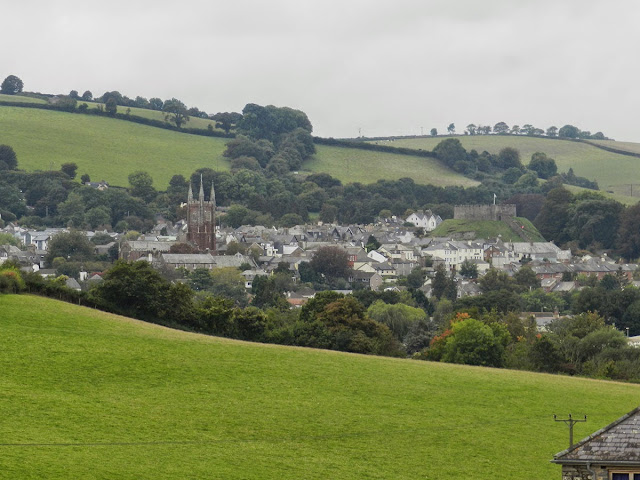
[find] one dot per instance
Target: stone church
(201, 220)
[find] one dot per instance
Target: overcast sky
(379, 67)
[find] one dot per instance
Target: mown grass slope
(105, 148)
(365, 166)
(20, 98)
(611, 170)
(92, 395)
(486, 229)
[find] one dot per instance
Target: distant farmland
(365, 166)
(612, 171)
(108, 149)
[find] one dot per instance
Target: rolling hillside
(105, 148)
(110, 149)
(613, 171)
(92, 395)
(364, 166)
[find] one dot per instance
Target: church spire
(212, 197)
(190, 194)
(201, 196)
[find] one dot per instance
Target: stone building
(201, 220)
(484, 212)
(611, 453)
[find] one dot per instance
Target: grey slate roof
(617, 443)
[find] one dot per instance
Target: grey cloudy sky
(387, 68)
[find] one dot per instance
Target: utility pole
(570, 422)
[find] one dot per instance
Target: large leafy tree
(629, 233)
(11, 85)
(544, 166)
(8, 158)
(271, 122)
(398, 317)
(594, 220)
(474, 343)
(554, 216)
(73, 246)
(332, 262)
(450, 152)
(226, 120)
(142, 185)
(175, 112)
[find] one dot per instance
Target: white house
(454, 253)
(426, 220)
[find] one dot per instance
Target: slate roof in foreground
(615, 444)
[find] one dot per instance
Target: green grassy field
(194, 122)
(612, 171)
(105, 148)
(624, 199)
(21, 99)
(355, 165)
(109, 149)
(90, 395)
(485, 229)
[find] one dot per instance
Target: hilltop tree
(552, 131)
(434, 132)
(11, 85)
(501, 127)
(176, 112)
(451, 128)
(111, 106)
(271, 122)
(156, 103)
(87, 96)
(226, 120)
(569, 131)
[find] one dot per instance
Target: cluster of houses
(259, 250)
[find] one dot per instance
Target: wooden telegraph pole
(570, 422)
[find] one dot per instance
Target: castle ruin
(484, 212)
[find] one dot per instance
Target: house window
(625, 475)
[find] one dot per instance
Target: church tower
(201, 220)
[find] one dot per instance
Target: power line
(291, 438)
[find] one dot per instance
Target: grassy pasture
(91, 395)
(484, 229)
(20, 98)
(624, 199)
(105, 148)
(194, 122)
(355, 165)
(626, 146)
(612, 171)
